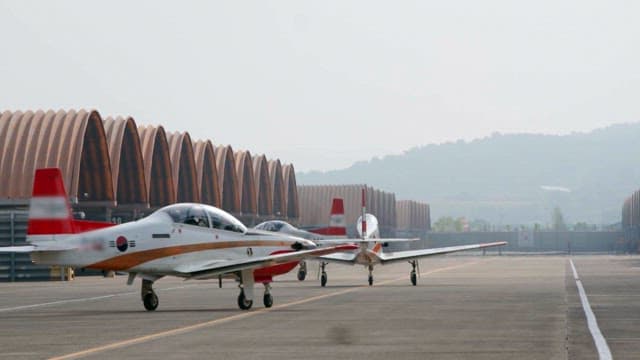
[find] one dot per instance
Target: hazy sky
(322, 84)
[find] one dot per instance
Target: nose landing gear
(414, 276)
(302, 272)
(323, 276)
(370, 275)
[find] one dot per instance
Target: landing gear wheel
(414, 278)
(243, 303)
(323, 279)
(267, 300)
(302, 275)
(150, 301)
(370, 280)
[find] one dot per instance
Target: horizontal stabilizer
(35, 248)
(17, 249)
(351, 241)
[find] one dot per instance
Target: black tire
(150, 301)
(414, 278)
(370, 280)
(267, 300)
(323, 279)
(302, 275)
(243, 303)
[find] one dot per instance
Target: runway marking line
(69, 301)
(599, 340)
(190, 328)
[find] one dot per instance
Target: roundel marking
(122, 244)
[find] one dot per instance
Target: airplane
(369, 234)
(187, 240)
(336, 229)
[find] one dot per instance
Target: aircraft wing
(414, 254)
(217, 268)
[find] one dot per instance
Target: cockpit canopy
(275, 226)
(203, 216)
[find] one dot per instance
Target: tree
(449, 224)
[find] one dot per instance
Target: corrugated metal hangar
(113, 168)
(407, 217)
(631, 222)
(118, 171)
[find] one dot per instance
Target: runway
(491, 307)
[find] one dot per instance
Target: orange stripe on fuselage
(127, 261)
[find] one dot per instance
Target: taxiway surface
(492, 307)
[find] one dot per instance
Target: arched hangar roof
(277, 188)
(291, 191)
(263, 185)
(127, 165)
(228, 179)
(73, 141)
(157, 165)
(207, 173)
(246, 182)
(183, 167)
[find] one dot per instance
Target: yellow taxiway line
(189, 328)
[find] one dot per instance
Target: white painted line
(601, 343)
(70, 301)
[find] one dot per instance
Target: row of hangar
(631, 221)
(115, 164)
(631, 210)
(393, 215)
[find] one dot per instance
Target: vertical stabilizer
(49, 211)
(337, 222)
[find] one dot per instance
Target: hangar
(117, 170)
(397, 218)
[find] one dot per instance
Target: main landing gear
(413, 276)
(149, 297)
(302, 271)
(370, 275)
(243, 302)
(245, 298)
(323, 275)
(267, 299)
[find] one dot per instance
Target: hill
(510, 179)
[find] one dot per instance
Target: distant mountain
(510, 179)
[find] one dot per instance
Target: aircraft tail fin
(337, 224)
(50, 212)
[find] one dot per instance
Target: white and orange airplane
(187, 240)
(369, 249)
